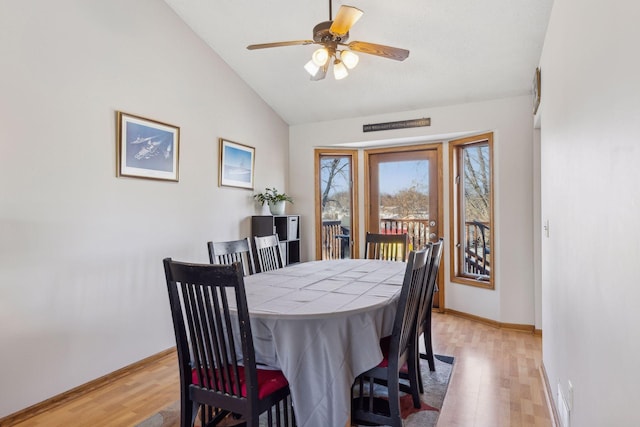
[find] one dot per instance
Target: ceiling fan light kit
(311, 68)
(332, 36)
(344, 60)
(320, 56)
(339, 70)
(349, 59)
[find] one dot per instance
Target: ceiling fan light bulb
(320, 57)
(339, 70)
(311, 68)
(349, 59)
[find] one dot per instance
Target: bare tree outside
(404, 190)
(335, 203)
(411, 202)
(476, 173)
(477, 183)
(335, 192)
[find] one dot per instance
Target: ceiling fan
(332, 35)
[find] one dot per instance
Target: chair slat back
(433, 265)
(406, 315)
(233, 251)
(204, 326)
(389, 247)
(269, 253)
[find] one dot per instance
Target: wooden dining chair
(208, 335)
(269, 253)
(389, 247)
(227, 253)
(426, 307)
(423, 318)
(398, 350)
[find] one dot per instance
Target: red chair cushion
(385, 343)
(268, 381)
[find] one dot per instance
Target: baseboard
(549, 396)
(512, 326)
(62, 398)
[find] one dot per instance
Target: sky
(396, 176)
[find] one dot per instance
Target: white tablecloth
(320, 322)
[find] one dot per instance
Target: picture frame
(236, 165)
(146, 148)
(536, 90)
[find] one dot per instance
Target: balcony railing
(477, 253)
(335, 240)
(335, 237)
(416, 229)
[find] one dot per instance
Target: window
(336, 213)
(472, 211)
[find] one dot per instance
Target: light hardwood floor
(495, 382)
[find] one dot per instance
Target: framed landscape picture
(146, 148)
(236, 164)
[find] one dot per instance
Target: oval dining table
(320, 322)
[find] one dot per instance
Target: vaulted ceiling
(460, 51)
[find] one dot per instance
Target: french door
(402, 195)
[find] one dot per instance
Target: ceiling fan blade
(279, 44)
(379, 50)
(322, 73)
(346, 17)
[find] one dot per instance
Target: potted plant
(274, 199)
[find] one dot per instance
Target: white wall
(590, 172)
(82, 289)
(512, 123)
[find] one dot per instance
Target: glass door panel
(335, 207)
(403, 195)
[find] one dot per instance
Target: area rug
(435, 385)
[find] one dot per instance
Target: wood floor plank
(496, 379)
(495, 382)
